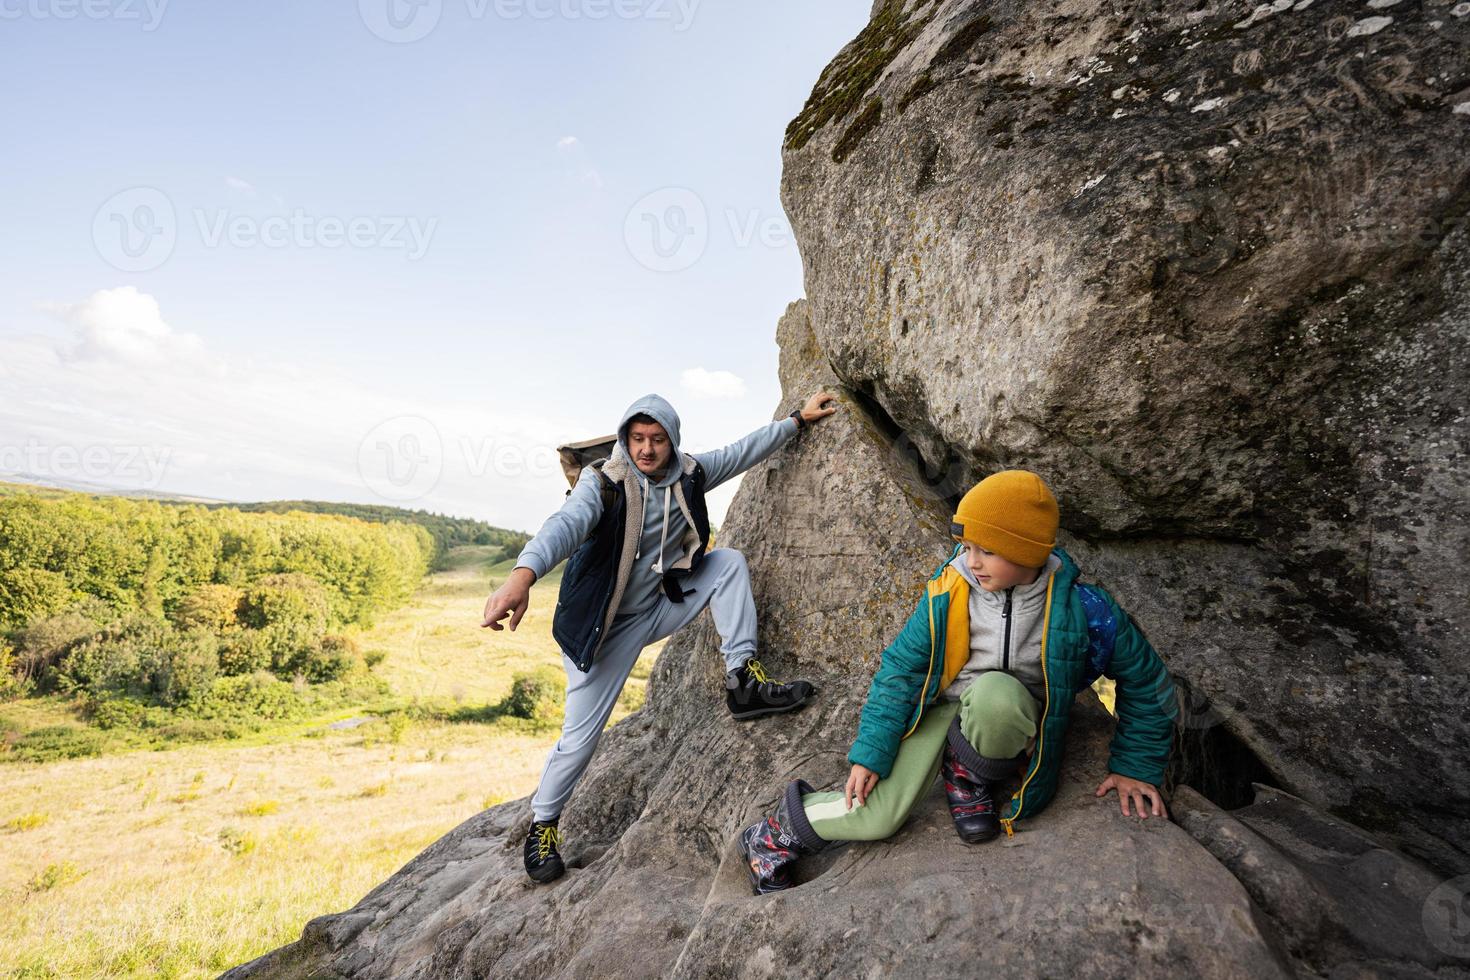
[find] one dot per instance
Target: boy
(986, 668)
(638, 525)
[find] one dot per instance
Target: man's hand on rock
(511, 599)
(1136, 790)
(817, 407)
(860, 783)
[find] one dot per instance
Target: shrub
(106, 665)
(288, 597)
(292, 645)
(117, 713)
(333, 658)
(374, 657)
(12, 684)
(58, 742)
(53, 876)
(244, 652)
(28, 593)
(43, 644)
(535, 697)
(212, 607)
(27, 821)
(184, 666)
(200, 730)
(237, 842)
(256, 696)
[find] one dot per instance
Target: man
(635, 528)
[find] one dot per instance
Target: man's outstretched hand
(1136, 790)
(818, 407)
(511, 599)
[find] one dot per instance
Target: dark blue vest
(588, 581)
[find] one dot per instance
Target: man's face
(649, 445)
(994, 573)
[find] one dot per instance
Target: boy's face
(649, 445)
(994, 573)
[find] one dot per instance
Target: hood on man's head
(657, 408)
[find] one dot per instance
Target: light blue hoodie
(664, 524)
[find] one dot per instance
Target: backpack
(576, 455)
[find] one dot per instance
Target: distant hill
(447, 531)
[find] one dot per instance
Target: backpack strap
(1102, 631)
(608, 488)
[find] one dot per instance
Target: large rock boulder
(1204, 270)
(1204, 267)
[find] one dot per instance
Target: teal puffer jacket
(1087, 635)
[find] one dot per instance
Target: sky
(390, 251)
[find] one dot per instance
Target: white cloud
(123, 324)
(581, 167)
(132, 403)
(711, 384)
(239, 184)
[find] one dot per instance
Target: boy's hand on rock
(1136, 790)
(817, 407)
(860, 783)
(511, 599)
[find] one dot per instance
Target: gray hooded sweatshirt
(988, 630)
(660, 545)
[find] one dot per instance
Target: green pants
(997, 716)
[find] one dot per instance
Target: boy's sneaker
(750, 692)
(971, 803)
(773, 844)
(543, 863)
(768, 854)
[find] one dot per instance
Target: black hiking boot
(773, 844)
(970, 782)
(543, 863)
(751, 693)
(971, 803)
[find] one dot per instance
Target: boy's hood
(658, 409)
(1057, 561)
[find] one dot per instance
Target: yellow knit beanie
(1011, 513)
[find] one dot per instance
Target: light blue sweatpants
(722, 582)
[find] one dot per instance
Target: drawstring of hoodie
(658, 566)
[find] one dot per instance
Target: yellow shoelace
(754, 668)
(545, 838)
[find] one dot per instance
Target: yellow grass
(182, 863)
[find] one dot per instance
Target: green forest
(191, 622)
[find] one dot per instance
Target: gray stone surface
(1205, 270)
(1203, 267)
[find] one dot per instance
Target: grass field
(184, 862)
